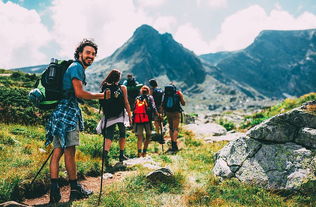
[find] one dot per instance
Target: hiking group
(124, 105)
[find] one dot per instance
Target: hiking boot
(54, 196)
(170, 151)
(144, 154)
(79, 192)
(122, 158)
(139, 154)
(174, 146)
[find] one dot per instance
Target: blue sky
(33, 31)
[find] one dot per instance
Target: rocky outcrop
(277, 154)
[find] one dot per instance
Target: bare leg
(175, 130)
(54, 163)
(107, 144)
(140, 141)
(122, 143)
(157, 126)
(70, 162)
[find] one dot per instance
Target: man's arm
(81, 93)
(127, 106)
(181, 98)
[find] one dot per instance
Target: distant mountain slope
(277, 63)
(214, 58)
(148, 54)
(31, 69)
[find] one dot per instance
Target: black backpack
(131, 82)
(113, 106)
(171, 100)
(158, 94)
(49, 88)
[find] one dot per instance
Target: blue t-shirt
(75, 70)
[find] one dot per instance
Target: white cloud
(110, 23)
(150, 3)
(217, 3)
(22, 36)
(191, 38)
(240, 29)
(213, 4)
(165, 23)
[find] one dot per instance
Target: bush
(90, 126)
(228, 125)
(286, 105)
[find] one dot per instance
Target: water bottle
(52, 69)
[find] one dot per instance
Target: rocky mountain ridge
(276, 65)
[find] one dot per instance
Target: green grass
(282, 107)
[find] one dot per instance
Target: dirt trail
(91, 183)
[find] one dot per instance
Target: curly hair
(82, 44)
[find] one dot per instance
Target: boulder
(160, 175)
(277, 154)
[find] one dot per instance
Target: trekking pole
(102, 168)
(42, 167)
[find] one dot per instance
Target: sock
(144, 150)
(139, 150)
(73, 183)
(121, 153)
(54, 183)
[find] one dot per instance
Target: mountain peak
(149, 54)
(145, 31)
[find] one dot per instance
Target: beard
(86, 63)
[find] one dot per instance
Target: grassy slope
(193, 185)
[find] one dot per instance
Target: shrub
(228, 125)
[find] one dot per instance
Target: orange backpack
(140, 110)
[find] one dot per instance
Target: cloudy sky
(33, 31)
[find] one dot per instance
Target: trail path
(91, 183)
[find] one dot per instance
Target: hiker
(132, 89)
(114, 106)
(144, 109)
(157, 94)
(66, 121)
(171, 101)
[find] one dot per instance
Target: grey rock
(237, 151)
(284, 127)
(160, 175)
(307, 137)
(274, 130)
(279, 166)
(222, 169)
(205, 130)
(277, 154)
